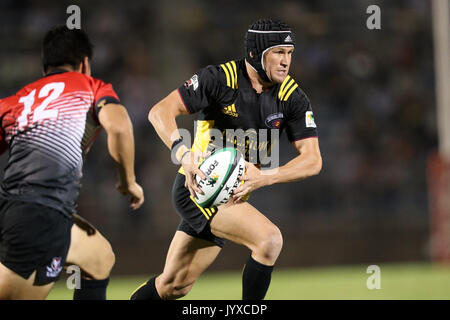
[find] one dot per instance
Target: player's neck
(65, 67)
(257, 83)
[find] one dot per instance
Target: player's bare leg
(243, 224)
(90, 251)
(94, 255)
(186, 260)
(14, 287)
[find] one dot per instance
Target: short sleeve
(103, 94)
(203, 89)
(300, 122)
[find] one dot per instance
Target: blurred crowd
(372, 93)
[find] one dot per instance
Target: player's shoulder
(229, 71)
(7, 101)
(25, 90)
(291, 91)
(225, 73)
(92, 81)
(75, 77)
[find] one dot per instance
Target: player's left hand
(253, 179)
(134, 190)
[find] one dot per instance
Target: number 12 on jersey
(39, 113)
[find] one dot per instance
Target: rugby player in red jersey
(47, 127)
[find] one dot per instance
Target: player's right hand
(190, 164)
(135, 191)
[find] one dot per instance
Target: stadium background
(373, 98)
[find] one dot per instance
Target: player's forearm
(163, 120)
(301, 167)
(114, 118)
(121, 149)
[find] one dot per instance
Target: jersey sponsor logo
(309, 119)
(231, 111)
(192, 82)
(55, 268)
(274, 120)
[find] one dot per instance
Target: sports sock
(91, 290)
(146, 292)
(255, 280)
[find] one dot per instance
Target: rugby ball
(223, 169)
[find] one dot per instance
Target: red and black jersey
(224, 99)
(48, 126)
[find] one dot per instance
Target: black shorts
(194, 219)
(33, 237)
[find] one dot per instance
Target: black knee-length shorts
(33, 237)
(194, 219)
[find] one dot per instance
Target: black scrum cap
(262, 36)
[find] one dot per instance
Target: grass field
(398, 281)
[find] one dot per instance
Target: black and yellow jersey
(224, 99)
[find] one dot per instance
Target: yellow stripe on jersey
(202, 137)
(227, 74)
(230, 68)
(235, 73)
(138, 288)
(281, 94)
(286, 97)
(282, 86)
(201, 209)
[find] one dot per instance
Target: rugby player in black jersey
(251, 93)
(48, 127)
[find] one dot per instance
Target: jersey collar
(56, 71)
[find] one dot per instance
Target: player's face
(277, 62)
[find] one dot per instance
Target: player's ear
(251, 54)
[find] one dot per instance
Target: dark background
(372, 93)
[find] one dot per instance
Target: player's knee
(179, 291)
(5, 291)
(110, 259)
(270, 248)
(104, 262)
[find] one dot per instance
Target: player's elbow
(160, 115)
(115, 120)
(124, 129)
(316, 166)
(154, 114)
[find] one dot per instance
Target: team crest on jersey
(274, 120)
(55, 268)
(192, 82)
